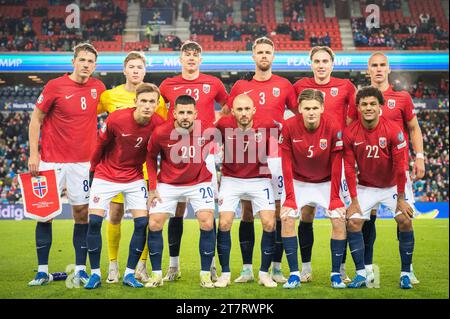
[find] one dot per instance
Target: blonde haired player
(121, 97)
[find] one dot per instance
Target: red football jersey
(182, 157)
(205, 90)
(399, 107)
(69, 129)
(312, 156)
(245, 152)
(122, 146)
(269, 97)
(339, 97)
(379, 154)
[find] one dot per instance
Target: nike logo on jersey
(177, 87)
(358, 143)
(123, 134)
(246, 92)
(170, 145)
(69, 96)
(207, 202)
(231, 137)
(296, 141)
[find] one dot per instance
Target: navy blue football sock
(278, 254)
(356, 244)
(137, 242)
(344, 256)
(306, 240)
(406, 247)
(43, 242)
(207, 248)
(224, 249)
(337, 252)
(247, 241)
(94, 240)
(267, 250)
(155, 248)
(79, 243)
(175, 231)
(291, 247)
(370, 234)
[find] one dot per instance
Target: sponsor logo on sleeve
(40, 99)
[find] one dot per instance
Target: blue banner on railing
(424, 211)
(169, 62)
(162, 16)
(431, 104)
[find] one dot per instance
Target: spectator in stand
(412, 28)
(326, 40)
(297, 34)
(313, 40)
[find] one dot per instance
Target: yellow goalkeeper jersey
(118, 98)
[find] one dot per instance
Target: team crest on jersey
(40, 188)
(258, 137)
(391, 103)
(334, 91)
(201, 141)
(103, 128)
(401, 137)
(382, 142)
(206, 88)
(96, 199)
(323, 143)
(94, 93)
(276, 92)
(220, 201)
(40, 99)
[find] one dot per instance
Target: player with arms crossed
(205, 89)
(377, 146)
(123, 96)
(183, 176)
(312, 166)
(65, 115)
(399, 108)
(245, 173)
(116, 167)
(339, 105)
(270, 94)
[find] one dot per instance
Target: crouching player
(312, 166)
(183, 176)
(116, 166)
(245, 174)
(376, 145)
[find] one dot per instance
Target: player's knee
(269, 225)
(206, 221)
(404, 224)
(288, 226)
(354, 225)
(225, 224)
(116, 213)
(339, 229)
(80, 214)
(155, 224)
(307, 216)
(181, 207)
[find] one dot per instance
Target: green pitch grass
(431, 264)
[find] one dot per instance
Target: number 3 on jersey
(195, 95)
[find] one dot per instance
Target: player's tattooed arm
(152, 196)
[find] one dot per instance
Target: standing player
(65, 115)
(270, 94)
(399, 108)
(205, 89)
(312, 167)
(245, 173)
(376, 145)
(182, 145)
(339, 104)
(116, 165)
(123, 96)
